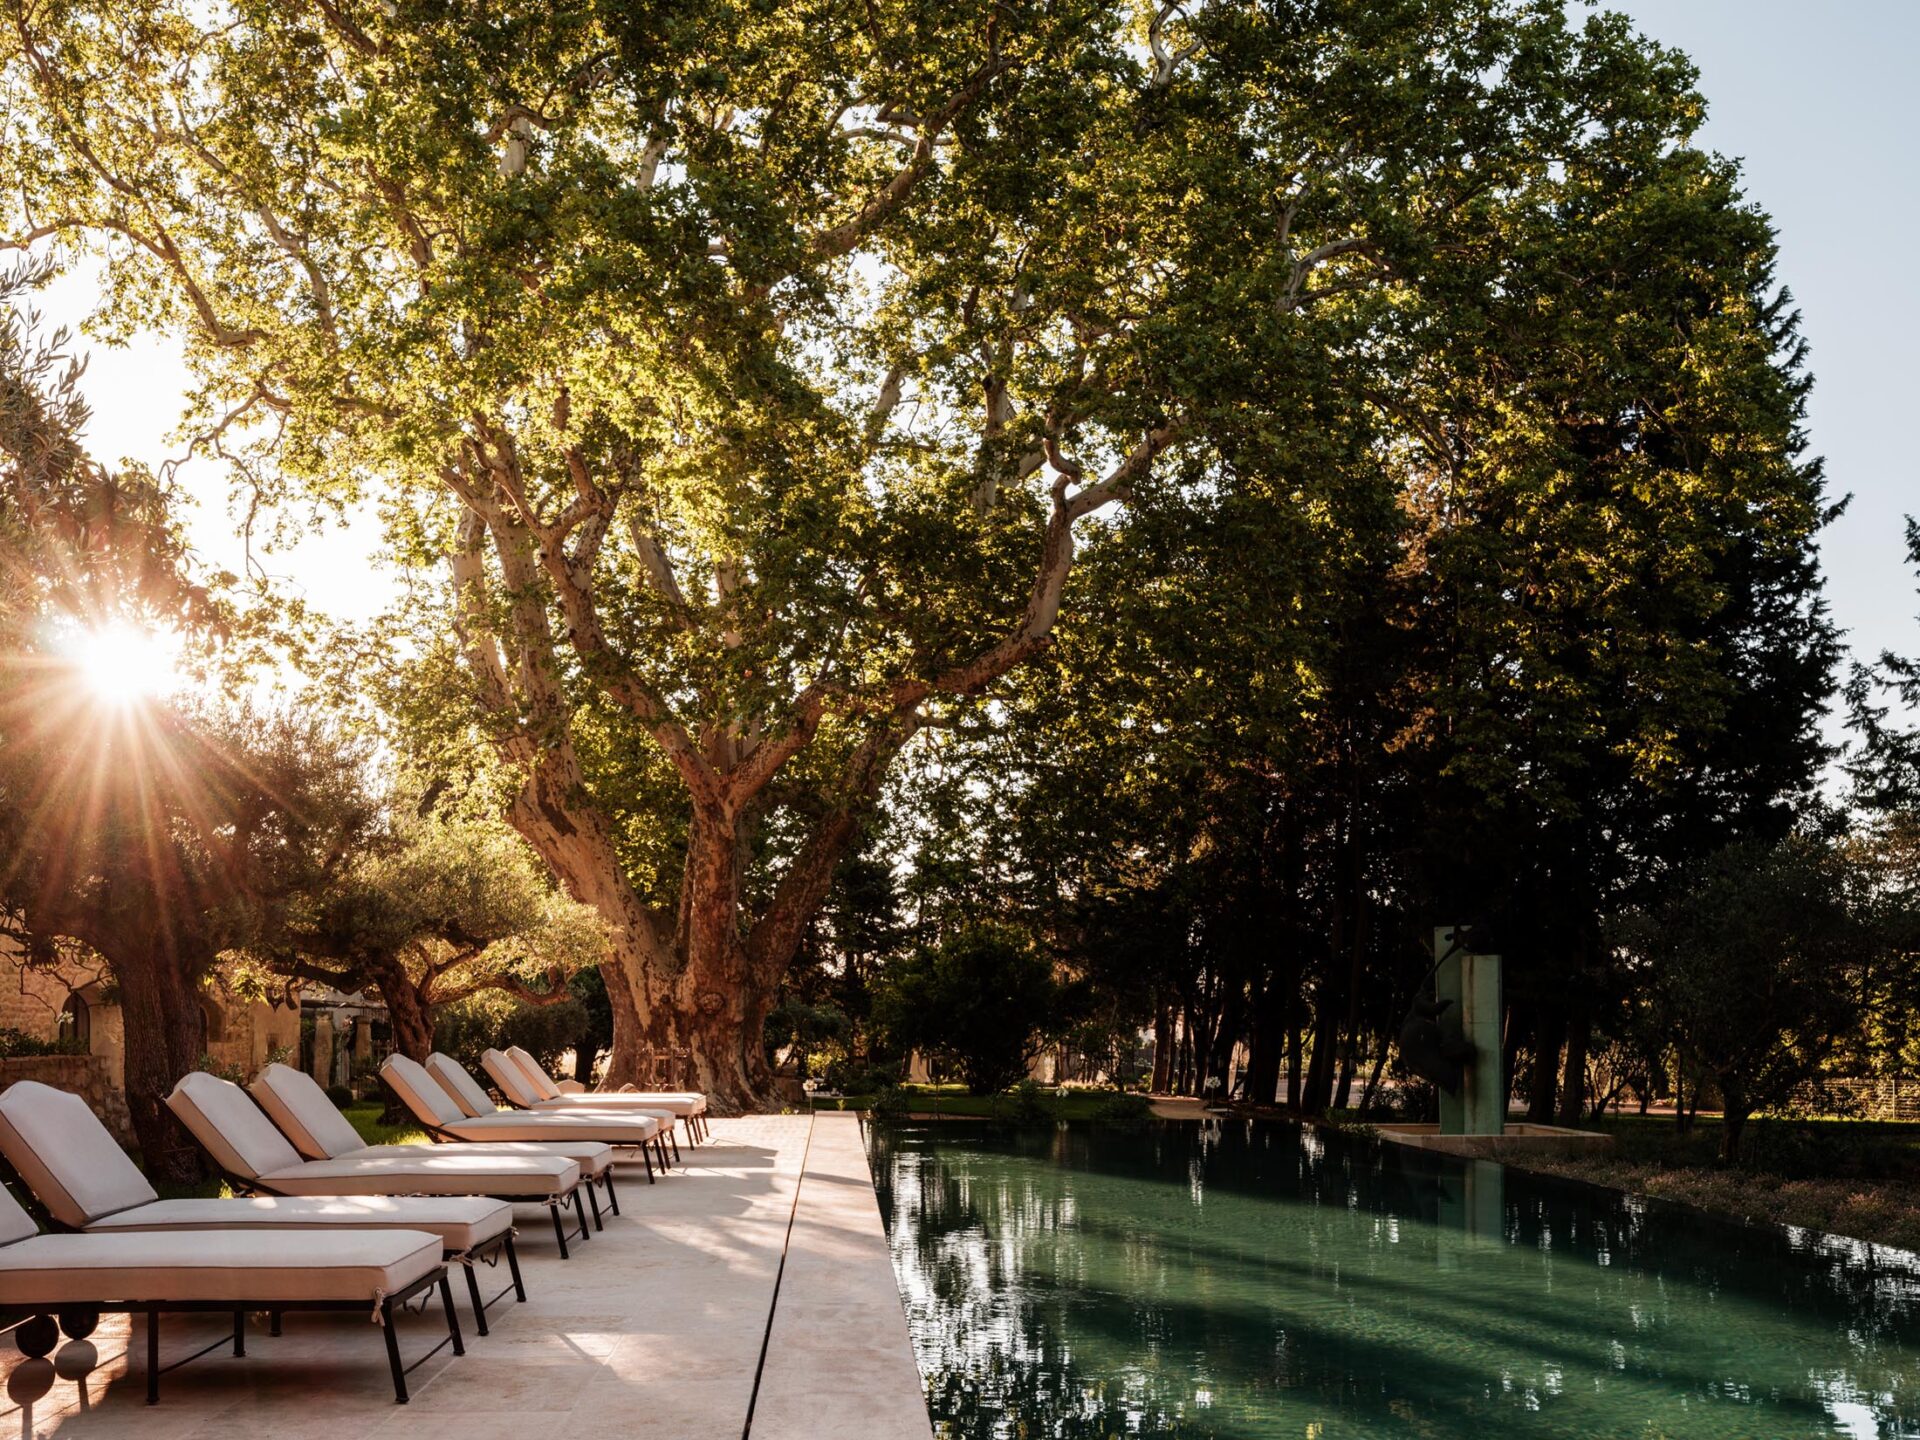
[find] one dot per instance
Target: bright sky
(1817, 99)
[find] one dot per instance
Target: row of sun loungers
(322, 1221)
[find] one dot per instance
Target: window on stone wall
(76, 1023)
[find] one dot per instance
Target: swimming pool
(1255, 1280)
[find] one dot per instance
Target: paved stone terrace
(654, 1328)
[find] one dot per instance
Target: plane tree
(748, 376)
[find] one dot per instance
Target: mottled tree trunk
(160, 1009)
(407, 1009)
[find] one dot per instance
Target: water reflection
(1247, 1281)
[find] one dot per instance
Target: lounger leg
(273, 1323)
(665, 1164)
(453, 1316)
(513, 1269)
(674, 1136)
(646, 1154)
(559, 1230)
(580, 1209)
(393, 1351)
(153, 1356)
(613, 1200)
(239, 1332)
(593, 1199)
(473, 1294)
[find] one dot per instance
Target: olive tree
(433, 911)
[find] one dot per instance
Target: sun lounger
(63, 1156)
(295, 1102)
(258, 1159)
(472, 1098)
(221, 1272)
(433, 1106)
(525, 1082)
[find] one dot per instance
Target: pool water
(1255, 1280)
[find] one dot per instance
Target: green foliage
(1759, 963)
(1024, 1104)
(341, 1096)
(227, 1070)
(467, 1028)
(981, 1000)
(17, 1044)
(754, 369)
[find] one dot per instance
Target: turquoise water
(1255, 1281)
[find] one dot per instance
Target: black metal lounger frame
(240, 1309)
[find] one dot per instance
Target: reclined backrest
(15, 1223)
(505, 1072)
(295, 1102)
(59, 1148)
(458, 1083)
(536, 1073)
(230, 1127)
(420, 1092)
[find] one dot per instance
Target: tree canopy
(748, 377)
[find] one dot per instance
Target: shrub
(890, 1103)
(1122, 1107)
(1022, 1105)
(17, 1044)
(340, 1095)
(491, 1021)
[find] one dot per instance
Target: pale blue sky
(1818, 99)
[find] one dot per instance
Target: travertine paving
(654, 1328)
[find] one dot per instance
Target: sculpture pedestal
(1472, 983)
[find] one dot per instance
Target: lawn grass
(1848, 1177)
(364, 1116)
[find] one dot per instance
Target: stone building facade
(76, 1004)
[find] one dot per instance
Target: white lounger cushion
(548, 1094)
(297, 1104)
(420, 1092)
(628, 1129)
(244, 1143)
(593, 1157)
(240, 1139)
(356, 1265)
(440, 1170)
(516, 1082)
(320, 1132)
(461, 1222)
(460, 1086)
(66, 1156)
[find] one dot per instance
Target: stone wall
(85, 1075)
(31, 999)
